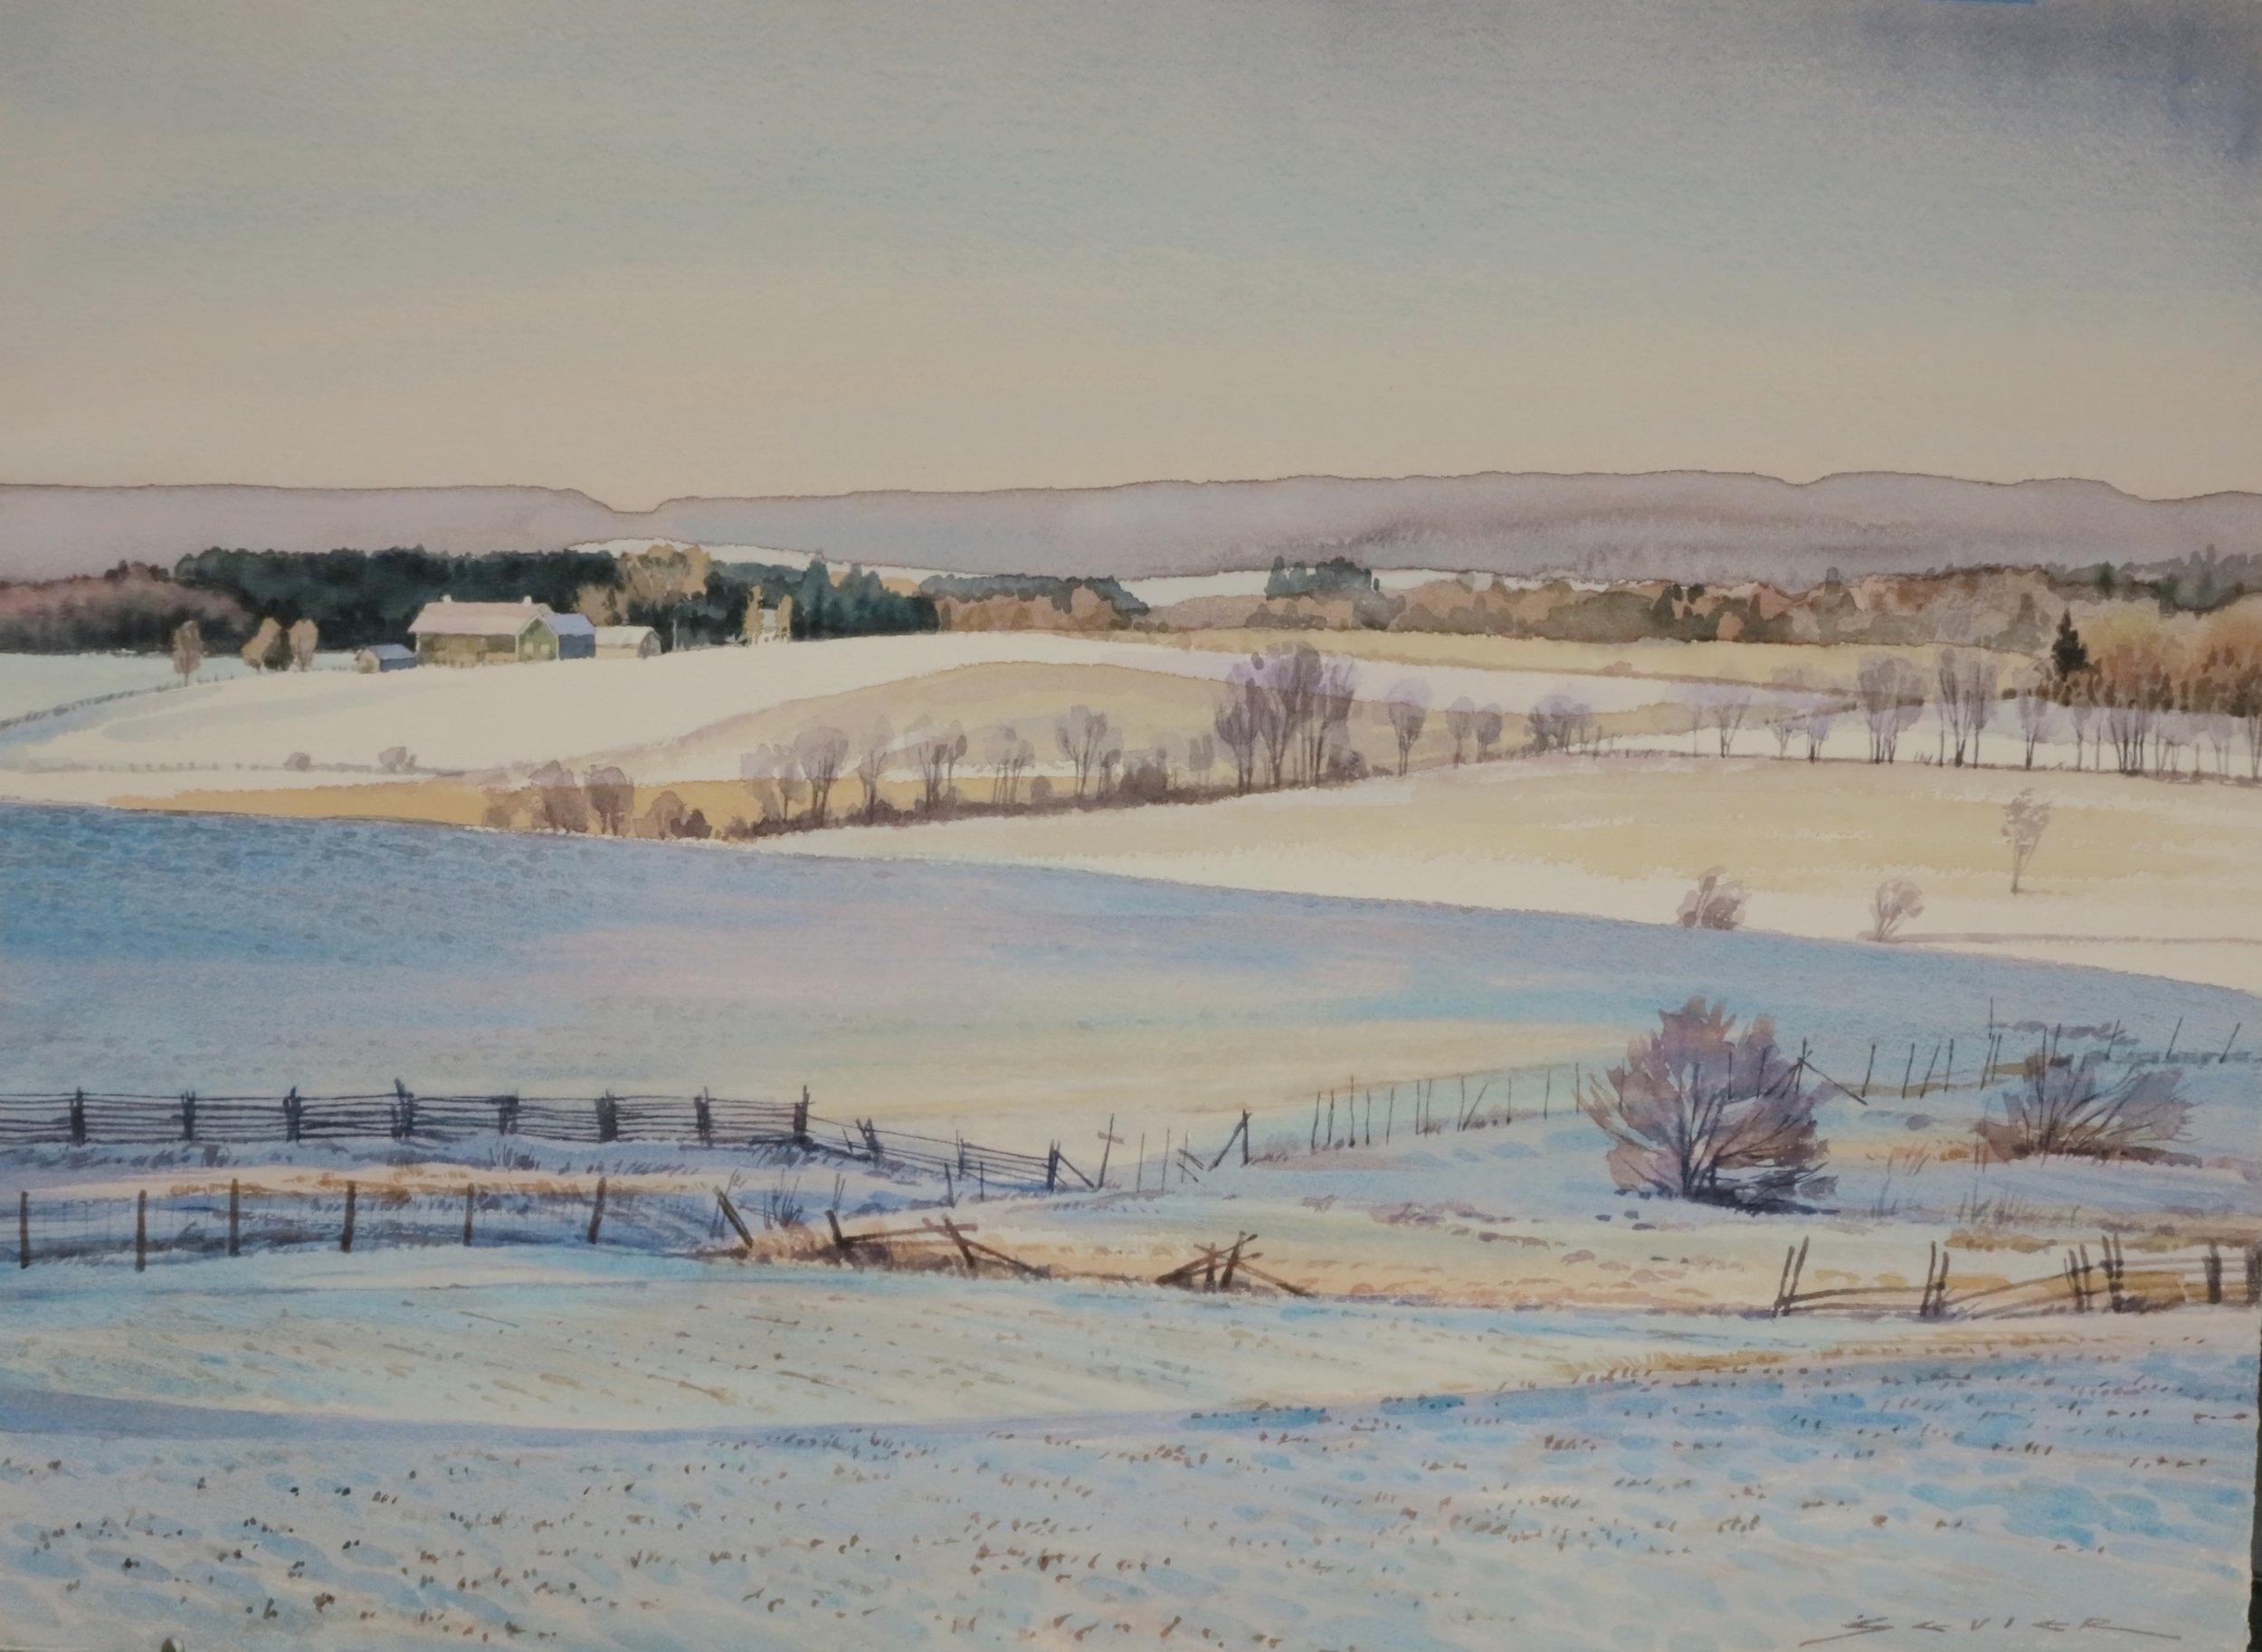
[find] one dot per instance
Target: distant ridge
(1689, 525)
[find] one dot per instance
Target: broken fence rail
(94, 1118)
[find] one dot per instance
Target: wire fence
(234, 1219)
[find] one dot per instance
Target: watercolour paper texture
(1281, 825)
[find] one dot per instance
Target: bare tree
(1716, 902)
(1407, 710)
(1490, 726)
(2070, 1108)
(1009, 758)
(1082, 736)
(2034, 718)
(1967, 700)
(1236, 723)
(873, 764)
(1786, 729)
(611, 799)
(1334, 693)
(304, 635)
(1202, 758)
(1560, 723)
(1891, 696)
(820, 753)
(1896, 901)
(1698, 1113)
(1726, 707)
(1816, 726)
(264, 645)
(1460, 724)
(2026, 818)
(935, 750)
(773, 774)
(188, 649)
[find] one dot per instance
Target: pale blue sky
(650, 249)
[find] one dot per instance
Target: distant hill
(1687, 525)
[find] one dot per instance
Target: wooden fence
(87, 1118)
(2107, 1282)
(231, 1220)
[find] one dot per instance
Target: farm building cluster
(449, 633)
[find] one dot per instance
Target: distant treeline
(357, 597)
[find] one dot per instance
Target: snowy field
(243, 732)
(636, 1456)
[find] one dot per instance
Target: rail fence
(86, 1119)
(2081, 1284)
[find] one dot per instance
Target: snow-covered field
(243, 732)
(631, 1454)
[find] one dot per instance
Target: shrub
(2073, 1108)
(1896, 901)
(1716, 902)
(1699, 1113)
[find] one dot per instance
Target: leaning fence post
(235, 1217)
(1782, 1283)
(141, 1229)
(345, 1237)
(24, 1229)
(596, 1215)
(730, 1214)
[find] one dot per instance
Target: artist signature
(1859, 1628)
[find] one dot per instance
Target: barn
(449, 633)
(577, 637)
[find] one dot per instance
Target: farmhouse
(627, 642)
(384, 657)
(449, 633)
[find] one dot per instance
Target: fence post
(596, 1216)
(294, 1114)
(800, 1119)
(403, 1111)
(24, 1229)
(235, 1217)
(507, 1115)
(608, 1117)
(2254, 1274)
(141, 1229)
(78, 1119)
(1244, 1135)
(345, 1239)
(730, 1213)
(2214, 1272)
(471, 1193)
(703, 1116)
(188, 1116)
(1053, 1168)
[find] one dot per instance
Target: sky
(745, 247)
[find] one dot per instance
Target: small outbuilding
(626, 642)
(384, 657)
(577, 637)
